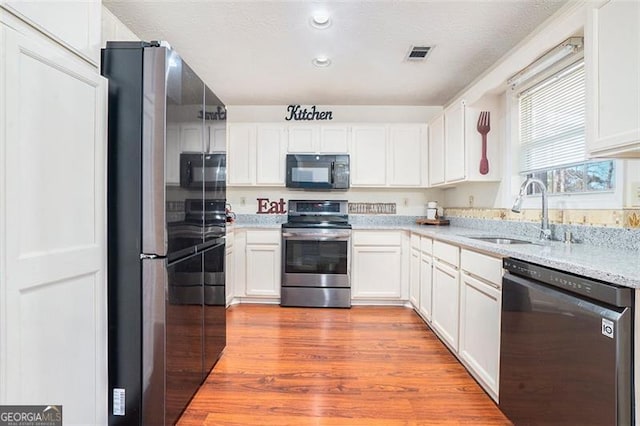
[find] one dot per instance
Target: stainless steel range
(315, 255)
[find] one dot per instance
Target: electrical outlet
(243, 201)
(405, 202)
(470, 200)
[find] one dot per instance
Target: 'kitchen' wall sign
(297, 113)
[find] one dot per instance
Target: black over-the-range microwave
(319, 171)
(196, 167)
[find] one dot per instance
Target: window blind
(552, 121)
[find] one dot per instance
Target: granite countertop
(621, 267)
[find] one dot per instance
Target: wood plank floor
(359, 366)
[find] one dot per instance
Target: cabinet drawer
(263, 236)
(447, 253)
(486, 267)
(426, 245)
(377, 238)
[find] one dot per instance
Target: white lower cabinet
(426, 278)
(446, 298)
(414, 272)
(263, 255)
(376, 266)
(480, 304)
(229, 269)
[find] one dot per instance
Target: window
(552, 135)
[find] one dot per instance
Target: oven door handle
(293, 236)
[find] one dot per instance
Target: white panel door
(480, 330)
(53, 333)
(369, 161)
(263, 270)
(334, 139)
(376, 271)
(270, 155)
(303, 139)
(407, 149)
(426, 285)
(76, 24)
(446, 302)
(191, 137)
(436, 151)
(414, 278)
(613, 78)
(241, 154)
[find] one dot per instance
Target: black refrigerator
(166, 226)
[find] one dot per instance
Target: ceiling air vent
(418, 53)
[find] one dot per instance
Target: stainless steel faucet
(545, 232)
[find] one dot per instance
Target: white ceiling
(255, 52)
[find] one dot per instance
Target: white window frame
(612, 199)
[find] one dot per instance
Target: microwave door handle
(333, 172)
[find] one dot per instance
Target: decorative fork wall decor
(483, 128)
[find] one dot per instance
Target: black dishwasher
(566, 348)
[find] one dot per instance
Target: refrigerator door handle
(154, 230)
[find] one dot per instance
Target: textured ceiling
(260, 52)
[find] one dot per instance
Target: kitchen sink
(502, 240)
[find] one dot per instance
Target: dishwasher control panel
(608, 293)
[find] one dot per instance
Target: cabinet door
(446, 297)
(414, 278)
(480, 331)
(406, 152)
(53, 260)
(376, 272)
(191, 137)
(426, 285)
(454, 169)
(613, 61)
(216, 138)
(436, 151)
(303, 139)
(334, 139)
(241, 159)
(369, 162)
(263, 270)
(270, 155)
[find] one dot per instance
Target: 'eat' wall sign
(271, 207)
(298, 113)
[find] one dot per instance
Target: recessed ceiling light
(321, 61)
(321, 20)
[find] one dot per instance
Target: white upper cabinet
(241, 154)
(256, 154)
(303, 139)
(369, 159)
(328, 139)
(74, 24)
(216, 138)
(436, 151)
(191, 137)
(270, 154)
(334, 139)
(407, 155)
(389, 155)
(455, 145)
(612, 55)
